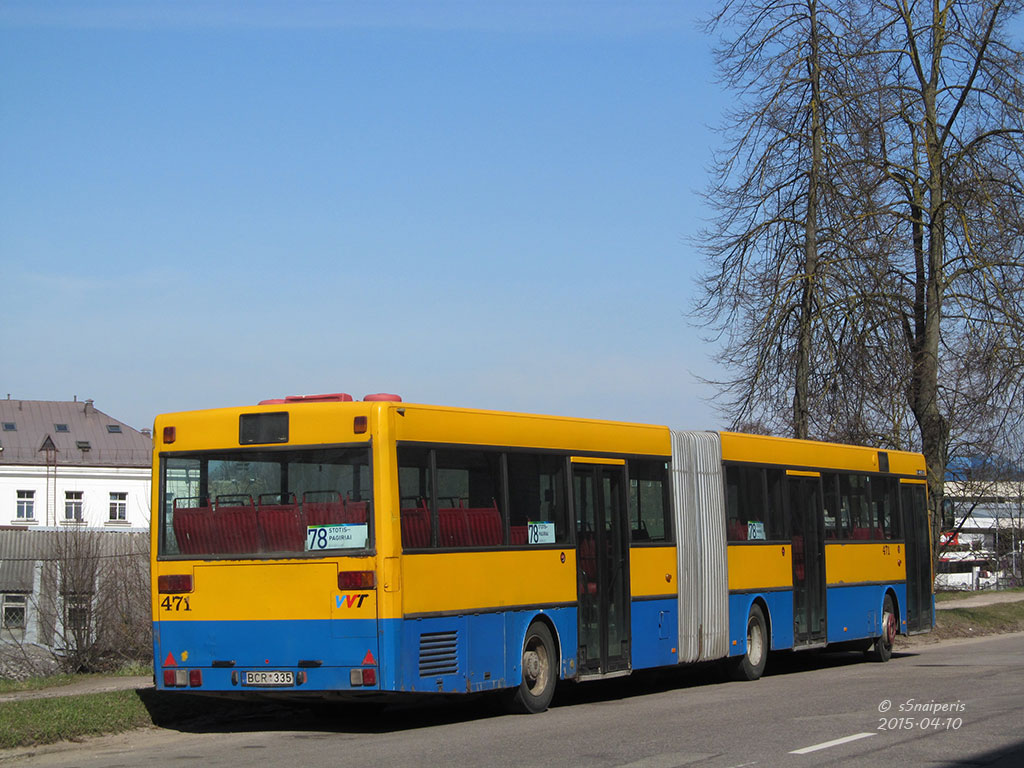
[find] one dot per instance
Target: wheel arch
(763, 604)
(896, 607)
(547, 621)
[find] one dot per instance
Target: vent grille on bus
(439, 653)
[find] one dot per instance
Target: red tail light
(174, 583)
(169, 678)
(357, 580)
(195, 677)
(369, 676)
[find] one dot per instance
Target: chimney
(88, 406)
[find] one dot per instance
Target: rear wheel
(540, 672)
(882, 649)
(750, 665)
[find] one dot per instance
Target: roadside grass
(997, 618)
(29, 722)
(36, 683)
(64, 718)
(131, 669)
(942, 597)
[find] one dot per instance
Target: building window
(118, 506)
(76, 612)
(14, 607)
(10, 426)
(114, 429)
(73, 506)
(26, 505)
(61, 428)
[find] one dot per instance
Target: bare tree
(767, 252)
(906, 329)
(941, 129)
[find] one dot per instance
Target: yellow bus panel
(436, 424)
(760, 566)
(652, 571)
(807, 453)
(861, 563)
(231, 591)
(465, 581)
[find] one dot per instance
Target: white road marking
(833, 743)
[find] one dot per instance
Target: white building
(68, 474)
(67, 463)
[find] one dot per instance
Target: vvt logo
(347, 601)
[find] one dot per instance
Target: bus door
(602, 562)
(919, 558)
(805, 514)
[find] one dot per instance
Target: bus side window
(883, 499)
(469, 498)
(648, 508)
(776, 520)
(833, 520)
(747, 496)
(536, 490)
(856, 502)
(416, 492)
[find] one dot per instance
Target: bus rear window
(256, 503)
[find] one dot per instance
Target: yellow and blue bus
(323, 546)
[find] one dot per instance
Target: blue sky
(484, 204)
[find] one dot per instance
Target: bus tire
(750, 666)
(540, 672)
(881, 650)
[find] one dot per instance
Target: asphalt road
(955, 703)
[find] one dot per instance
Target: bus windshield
(265, 503)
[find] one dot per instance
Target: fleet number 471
(175, 603)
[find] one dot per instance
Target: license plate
(268, 678)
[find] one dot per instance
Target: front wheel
(539, 672)
(751, 664)
(882, 649)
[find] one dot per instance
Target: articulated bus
(322, 546)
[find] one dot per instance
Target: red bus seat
(485, 528)
(518, 534)
(453, 530)
(236, 528)
(415, 528)
(330, 511)
(356, 512)
(282, 527)
(193, 530)
(737, 531)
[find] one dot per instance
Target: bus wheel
(751, 665)
(539, 672)
(882, 649)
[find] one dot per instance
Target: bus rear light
(359, 425)
(179, 678)
(356, 580)
(195, 678)
(174, 583)
(369, 676)
(355, 677)
(300, 677)
(170, 434)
